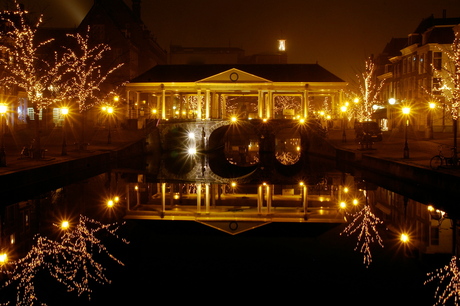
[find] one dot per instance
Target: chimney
(136, 7)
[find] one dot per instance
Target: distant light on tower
(281, 45)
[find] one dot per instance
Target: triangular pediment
(234, 76)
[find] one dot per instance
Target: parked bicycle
(440, 160)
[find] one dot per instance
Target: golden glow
(301, 183)
(116, 98)
(404, 238)
(392, 101)
(343, 108)
(154, 111)
(302, 120)
(234, 119)
(176, 196)
(406, 110)
(281, 45)
(356, 100)
(116, 199)
(191, 135)
(65, 224)
(64, 111)
(343, 205)
(355, 202)
(265, 120)
(430, 208)
(3, 258)
(191, 151)
(432, 105)
(110, 203)
(345, 189)
(3, 108)
(233, 184)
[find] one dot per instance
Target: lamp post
(391, 102)
(109, 111)
(64, 113)
(344, 134)
(3, 109)
(432, 106)
(406, 112)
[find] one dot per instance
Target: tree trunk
(36, 143)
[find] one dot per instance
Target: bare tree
(25, 67)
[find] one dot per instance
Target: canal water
(172, 262)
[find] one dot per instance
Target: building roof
(272, 72)
(430, 22)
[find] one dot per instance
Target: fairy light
(448, 278)
(365, 222)
(85, 70)
(69, 261)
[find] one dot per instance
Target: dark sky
(339, 34)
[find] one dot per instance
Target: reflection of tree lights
(449, 279)
(69, 261)
(366, 223)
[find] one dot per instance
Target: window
(436, 86)
(437, 60)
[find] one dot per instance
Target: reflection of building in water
(232, 204)
(430, 229)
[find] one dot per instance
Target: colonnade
(205, 104)
(207, 195)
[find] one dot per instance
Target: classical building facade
(412, 69)
(222, 91)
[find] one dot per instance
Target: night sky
(338, 34)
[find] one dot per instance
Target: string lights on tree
(366, 223)
(25, 66)
(69, 261)
(369, 91)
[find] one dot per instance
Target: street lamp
(344, 134)
(64, 113)
(3, 109)
(432, 106)
(406, 112)
(109, 111)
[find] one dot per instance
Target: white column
(269, 197)
(163, 104)
(260, 198)
(305, 198)
(305, 103)
(198, 111)
(207, 197)
(198, 197)
(163, 197)
(207, 104)
(269, 105)
(260, 104)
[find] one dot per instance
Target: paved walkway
(52, 144)
(421, 149)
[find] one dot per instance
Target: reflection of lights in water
(449, 281)
(69, 261)
(365, 222)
